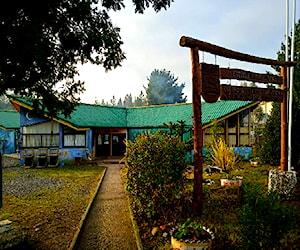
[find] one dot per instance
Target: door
(118, 144)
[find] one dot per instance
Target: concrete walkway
(108, 225)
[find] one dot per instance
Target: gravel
(25, 182)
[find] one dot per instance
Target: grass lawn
(49, 218)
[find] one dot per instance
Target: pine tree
(269, 152)
(140, 100)
(120, 103)
(163, 88)
(128, 101)
(113, 101)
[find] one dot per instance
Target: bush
(223, 156)
(264, 220)
(155, 167)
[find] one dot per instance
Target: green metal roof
(9, 119)
(87, 115)
(222, 109)
(155, 116)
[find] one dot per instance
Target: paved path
(108, 224)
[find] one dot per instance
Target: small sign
(210, 82)
(229, 92)
(239, 74)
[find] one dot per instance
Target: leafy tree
(271, 146)
(42, 42)
(163, 88)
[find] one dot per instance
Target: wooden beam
(239, 74)
(220, 51)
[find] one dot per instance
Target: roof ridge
(160, 105)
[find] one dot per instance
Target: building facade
(100, 131)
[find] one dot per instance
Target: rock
(282, 182)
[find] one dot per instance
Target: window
(41, 135)
(73, 138)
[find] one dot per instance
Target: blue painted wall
(8, 139)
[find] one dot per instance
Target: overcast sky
(151, 41)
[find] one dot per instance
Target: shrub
(155, 167)
(223, 156)
(264, 220)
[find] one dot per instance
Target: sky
(151, 41)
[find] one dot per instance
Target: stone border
(75, 237)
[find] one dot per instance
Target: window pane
(32, 141)
(80, 140)
(68, 140)
(74, 140)
(244, 140)
(50, 140)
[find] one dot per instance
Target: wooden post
(198, 135)
(284, 127)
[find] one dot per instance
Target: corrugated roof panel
(86, 115)
(217, 110)
(9, 119)
(155, 116)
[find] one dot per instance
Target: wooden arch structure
(206, 83)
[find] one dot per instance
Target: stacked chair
(41, 158)
(53, 157)
(28, 155)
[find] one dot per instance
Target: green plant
(155, 166)
(191, 230)
(181, 130)
(264, 220)
(230, 176)
(222, 155)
